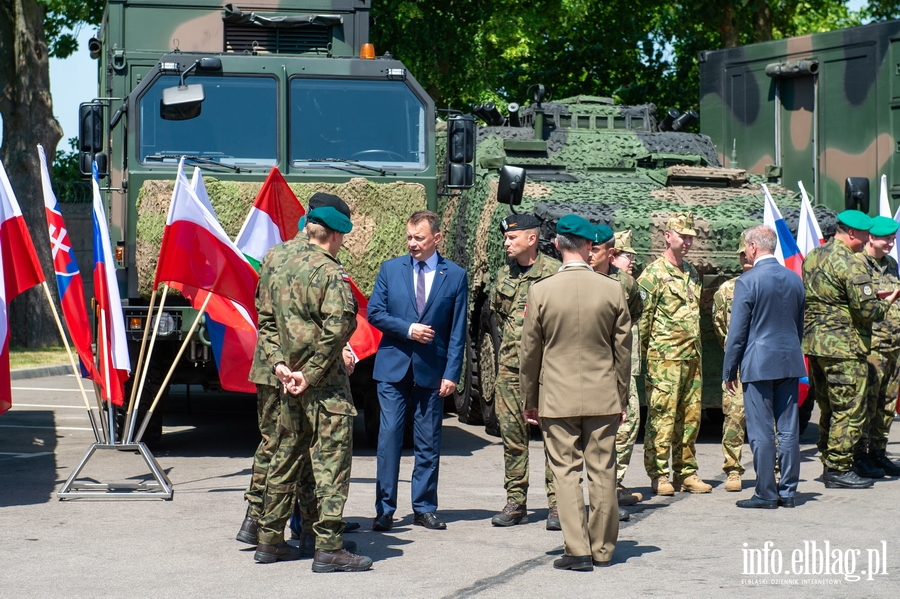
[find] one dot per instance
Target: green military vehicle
(239, 92)
(612, 164)
(821, 108)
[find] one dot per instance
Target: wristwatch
(277, 364)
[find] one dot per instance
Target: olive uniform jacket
(576, 345)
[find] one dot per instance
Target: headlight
(166, 325)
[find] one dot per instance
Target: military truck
(820, 108)
(612, 164)
(238, 90)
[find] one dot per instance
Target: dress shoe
(733, 483)
(383, 522)
(692, 483)
(785, 501)
(863, 466)
(835, 479)
(624, 516)
(880, 459)
(340, 561)
(308, 545)
(582, 563)
(626, 497)
(510, 515)
(756, 502)
(282, 552)
(247, 533)
(661, 485)
(429, 520)
(553, 519)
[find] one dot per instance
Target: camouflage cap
(742, 244)
(330, 217)
(855, 220)
(882, 226)
(572, 224)
(625, 242)
(602, 234)
(519, 222)
(682, 223)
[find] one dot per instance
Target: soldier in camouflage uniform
(602, 252)
(884, 360)
(670, 339)
(525, 266)
(841, 305)
(313, 316)
(732, 403)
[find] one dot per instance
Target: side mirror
(90, 128)
(460, 151)
(856, 194)
(85, 160)
(182, 102)
(511, 186)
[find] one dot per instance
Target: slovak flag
(19, 271)
(786, 250)
(68, 278)
(112, 346)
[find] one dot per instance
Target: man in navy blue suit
(764, 341)
(419, 303)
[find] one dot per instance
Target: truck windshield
(238, 123)
(378, 123)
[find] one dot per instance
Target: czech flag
(19, 271)
(786, 250)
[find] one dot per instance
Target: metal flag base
(160, 488)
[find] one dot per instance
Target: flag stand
(159, 488)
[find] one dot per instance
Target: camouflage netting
(386, 204)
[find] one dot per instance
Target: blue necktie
(420, 288)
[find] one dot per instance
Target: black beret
(319, 200)
(519, 222)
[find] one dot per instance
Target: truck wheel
(488, 361)
(467, 402)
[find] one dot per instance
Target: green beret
(330, 217)
(882, 226)
(855, 220)
(572, 224)
(602, 234)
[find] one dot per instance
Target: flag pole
(75, 368)
(135, 376)
(184, 344)
(104, 343)
(131, 415)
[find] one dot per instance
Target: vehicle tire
(488, 363)
(465, 398)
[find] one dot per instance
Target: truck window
(380, 123)
(238, 123)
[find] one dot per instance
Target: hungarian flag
(68, 278)
(19, 269)
(786, 250)
(272, 219)
(112, 346)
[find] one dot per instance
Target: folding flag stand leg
(159, 488)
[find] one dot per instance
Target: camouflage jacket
(721, 311)
(886, 333)
(507, 300)
(670, 324)
(841, 304)
(635, 308)
(313, 316)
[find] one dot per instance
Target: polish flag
(786, 250)
(809, 234)
(19, 269)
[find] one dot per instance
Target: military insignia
(867, 290)
(643, 294)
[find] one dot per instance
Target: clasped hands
(295, 383)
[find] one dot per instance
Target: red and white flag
(809, 234)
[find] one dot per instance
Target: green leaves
(63, 21)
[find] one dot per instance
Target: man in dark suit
(419, 303)
(764, 341)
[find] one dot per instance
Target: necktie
(420, 288)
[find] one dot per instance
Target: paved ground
(683, 546)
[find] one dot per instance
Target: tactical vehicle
(612, 164)
(292, 85)
(820, 108)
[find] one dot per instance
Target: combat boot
(282, 552)
(340, 561)
(247, 533)
(626, 497)
(661, 485)
(835, 479)
(733, 484)
(863, 466)
(308, 544)
(553, 519)
(693, 484)
(510, 515)
(880, 459)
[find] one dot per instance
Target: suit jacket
(576, 345)
(392, 309)
(766, 325)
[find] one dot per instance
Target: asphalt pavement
(835, 543)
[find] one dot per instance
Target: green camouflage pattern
(884, 273)
(516, 434)
(670, 323)
(632, 294)
(673, 416)
(627, 434)
(839, 386)
(882, 387)
(841, 304)
(818, 129)
(733, 433)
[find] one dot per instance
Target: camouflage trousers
(628, 432)
(306, 432)
(268, 409)
(839, 385)
(673, 418)
(882, 387)
(733, 428)
(516, 434)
